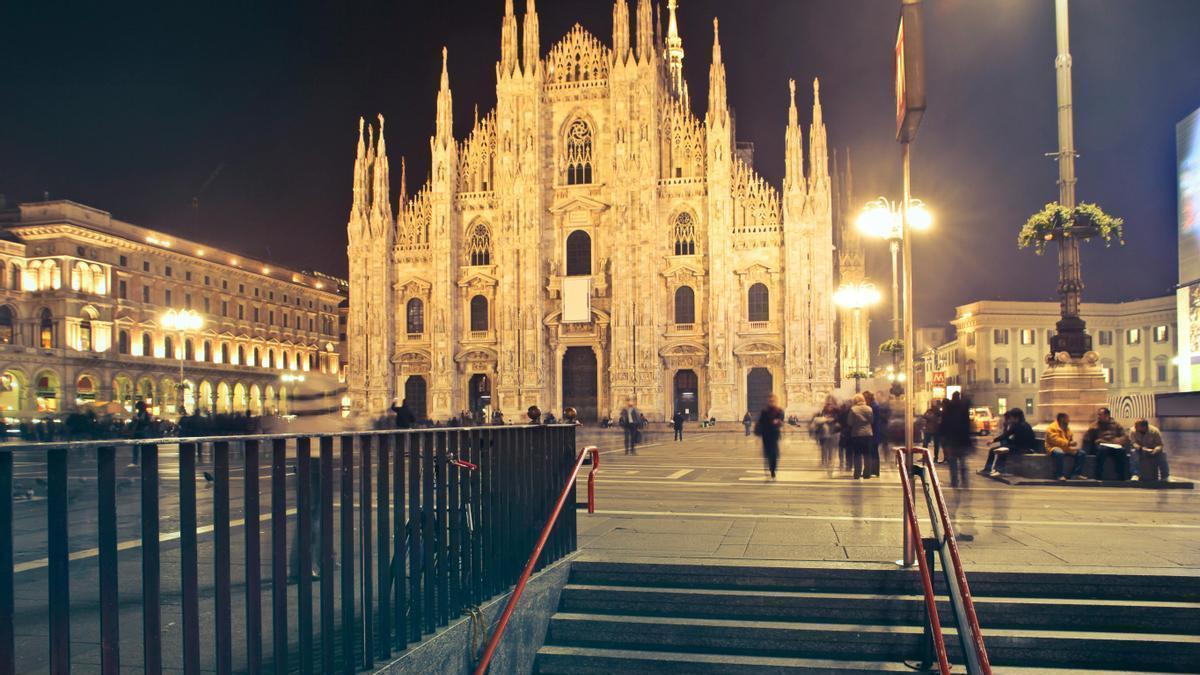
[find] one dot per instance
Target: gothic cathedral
(593, 240)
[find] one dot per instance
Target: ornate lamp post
(856, 297)
(182, 321)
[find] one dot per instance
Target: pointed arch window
(579, 153)
(685, 305)
(758, 303)
(415, 316)
(685, 234)
(479, 249)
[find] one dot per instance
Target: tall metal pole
(1071, 336)
(906, 242)
(858, 345)
(894, 245)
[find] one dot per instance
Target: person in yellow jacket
(1060, 444)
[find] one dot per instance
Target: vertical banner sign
(910, 71)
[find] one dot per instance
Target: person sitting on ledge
(1060, 444)
(1148, 444)
(1017, 437)
(1107, 439)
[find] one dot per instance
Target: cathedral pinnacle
(717, 102)
(508, 40)
(620, 31)
(445, 112)
(674, 50)
(793, 179)
(530, 53)
(645, 31)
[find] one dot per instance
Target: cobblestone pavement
(707, 496)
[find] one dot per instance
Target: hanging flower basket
(891, 347)
(1056, 222)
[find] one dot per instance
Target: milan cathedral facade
(593, 240)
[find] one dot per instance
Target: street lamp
(883, 219)
(183, 321)
(856, 297)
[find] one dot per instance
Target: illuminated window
(46, 330)
(1161, 333)
(1027, 336)
(1133, 336)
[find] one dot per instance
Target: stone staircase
(733, 617)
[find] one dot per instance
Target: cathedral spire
(531, 51)
(508, 40)
(645, 31)
(445, 114)
(620, 31)
(381, 209)
(818, 153)
(358, 206)
(718, 110)
(793, 180)
(674, 50)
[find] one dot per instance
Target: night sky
(132, 107)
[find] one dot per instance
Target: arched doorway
(85, 390)
(270, 403)
(188, 390)
(687, 394)
(579, 388)
(167, 392)
(223, 395)
(479, 392)
(12, 389)
(145, 390)
(283, 401)
(414, 393)
(204, 405)
(239, 398)
(46, 387)
(255, 400)
(759, 385)
(123, 392)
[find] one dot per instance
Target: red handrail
(910, 516)
(960, 576)
(494, 642)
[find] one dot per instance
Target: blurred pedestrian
(824, 428)
(677, 424)
(956, 438)
(933, 418)
(747, 422)
(630, 423)
(859, 420)
(404, 415)
(769, 427)
(879, 424)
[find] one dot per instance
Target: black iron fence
(374, 539)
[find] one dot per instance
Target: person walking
(405, 419)
(933, 419)
(879, 424)
(825, 430)
(859, 419)
(677, 423)
(956, 437)
(768, 428)
(747, 422)
(630, 421)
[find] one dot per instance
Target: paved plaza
(707, 497)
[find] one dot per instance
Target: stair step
(1029, 613)
(1133, 651)
(556, 660)
(884, 579)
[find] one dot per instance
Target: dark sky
(131, 106)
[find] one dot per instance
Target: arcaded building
(83, 299)
(597, 236)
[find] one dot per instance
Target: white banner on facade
(576, 299)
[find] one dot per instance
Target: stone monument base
(1075, 386)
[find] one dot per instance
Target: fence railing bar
(106, 515)
(428, 541)
(366, 587)
(325, 528)
(383, 532)
(8, 650)
(252, 556)
(454, 511)
(223, 600)
(279, 593)
(400, 606)
(346, 511)
(189, 558)
(59, 583)
(303, 565)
